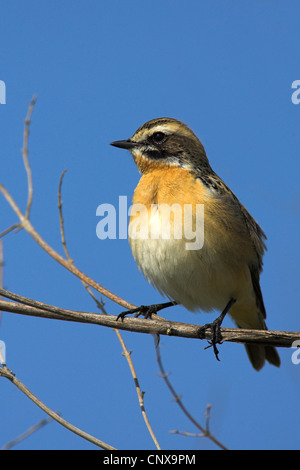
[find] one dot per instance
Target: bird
(222, 272)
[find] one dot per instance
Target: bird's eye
(158, 137)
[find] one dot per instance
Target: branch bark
(8, 374)
(156, 325)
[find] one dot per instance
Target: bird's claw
(216, 335)
(215, 328)
(146, 310)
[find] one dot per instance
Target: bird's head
(167, 142)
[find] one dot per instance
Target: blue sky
(100, 70)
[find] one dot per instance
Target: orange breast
(172, 187)
(225, 231)
(168, 185)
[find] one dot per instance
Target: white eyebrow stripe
(165, 128)
(169, 128)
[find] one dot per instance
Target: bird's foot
(216, 336)
(146, 310)
(215, 328)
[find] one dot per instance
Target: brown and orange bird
(222, 270)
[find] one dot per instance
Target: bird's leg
(215, 327)
(146, 310)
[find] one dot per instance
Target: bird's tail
(259, 353)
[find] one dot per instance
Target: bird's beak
(124, 144)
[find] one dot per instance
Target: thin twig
(9, 229)
(207, 416)
(204, 431)
(25, 155)
(188, 434)
(197, 434)
(126, 353)
(7, 373)
(27, 225)
(140, 395)
(28, 433)
(61, 220)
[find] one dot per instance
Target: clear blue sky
(101, 69)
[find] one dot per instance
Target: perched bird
(220, 272)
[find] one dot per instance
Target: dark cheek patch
(155, 154)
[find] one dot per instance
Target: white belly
(197, 279)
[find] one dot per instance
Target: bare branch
(10, 229)
(156, 326)
(26, 224)
(25, 155)
(100, 305)
(267, 337)
(140, 395)
(61, 220)
(8, 374)
(204, 430)
(187, 433)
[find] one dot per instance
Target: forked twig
(126, 353)
(197, 434)
(205, 432)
